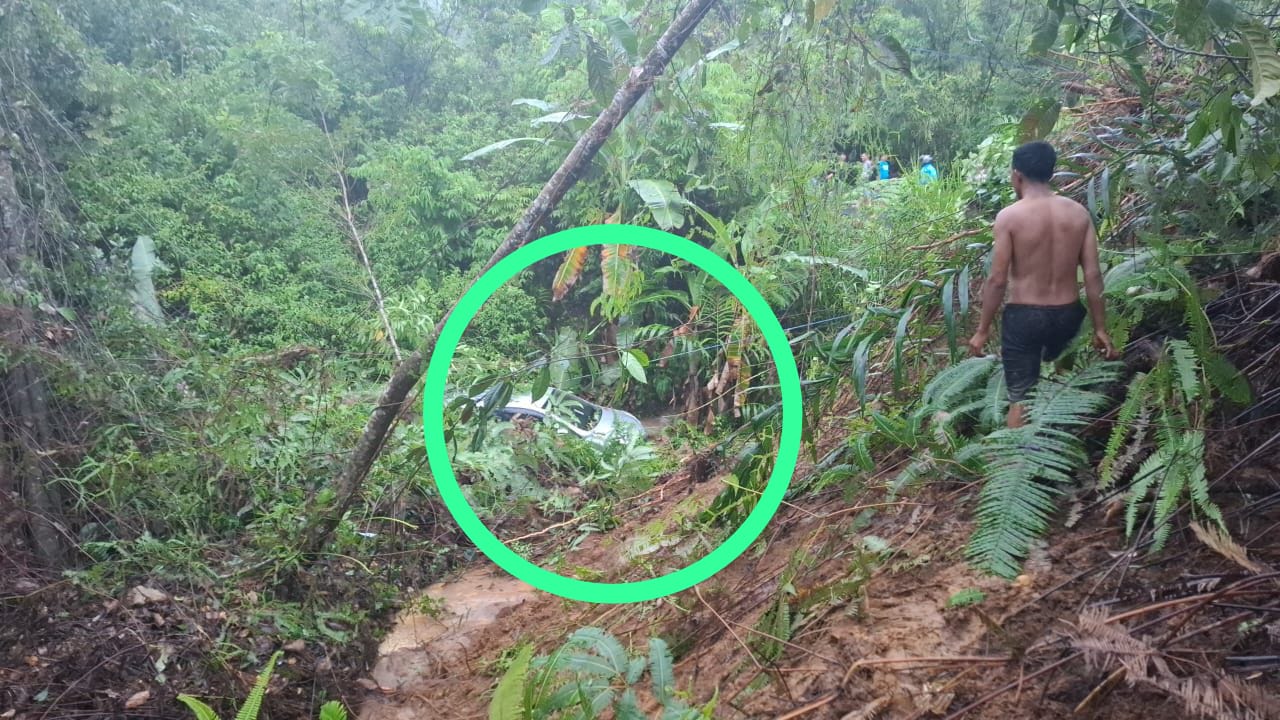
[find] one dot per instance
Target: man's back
(1048, 234)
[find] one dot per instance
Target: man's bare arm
(997, 280)
(1093, 291)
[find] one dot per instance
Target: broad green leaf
(1046, 33)
(508, 699)
(899, 339)
(202, 711)
(542, 382)
(494, 147)
(1039, 120)
(1264, 60)
(829, 262)
(949, 315)
(623, 36)
(599, 72)
(632, 365)
(663, 200)
(860, 357)
(1223, 14)
(565, 45)
(558, 118)
(542, 105)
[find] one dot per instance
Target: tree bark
(23, 396)
(347, 486)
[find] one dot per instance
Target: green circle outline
(442, 468)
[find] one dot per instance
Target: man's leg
(1016, 417)
(1020, 352)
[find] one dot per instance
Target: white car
(571, 414)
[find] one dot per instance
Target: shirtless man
(1040, 242)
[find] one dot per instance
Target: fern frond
(1151, 472)
(911, 473)
(1187, 367)
(661, 672)
(1126, 459)
(1074, 400)
(994, 403)
(1226, 378)
(1220, 542)
(1014, 506)
(333, 710)
(609, 659)
(253, 704)
(948, 386)
(1127, 421)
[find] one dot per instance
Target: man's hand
(977, 343)
(1102, 341)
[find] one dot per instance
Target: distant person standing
(1041, 242)
(883, 167)
(928, 171)
(868, 168)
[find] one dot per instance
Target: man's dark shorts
(1032, 334)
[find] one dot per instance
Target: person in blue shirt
(883, 166)
(928, 171)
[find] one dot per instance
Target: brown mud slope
(891, 647)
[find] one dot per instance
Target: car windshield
(571, 407)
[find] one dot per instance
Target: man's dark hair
(1035, 160)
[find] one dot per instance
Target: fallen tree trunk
(347, 487)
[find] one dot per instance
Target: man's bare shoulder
(1011, 213)
(1071, 206)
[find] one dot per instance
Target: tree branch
(348, 484)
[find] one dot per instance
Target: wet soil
(897, 649)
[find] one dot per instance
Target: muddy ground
(893, 649)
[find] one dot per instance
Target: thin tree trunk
(22, 390)
(349, 217)
(348, 484)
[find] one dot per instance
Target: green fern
(1187, 366)
(1130, 421)
(589, 675)
(1016, 499)
(1225, 377)
(333, 710)
(661, 670)
(775, 625)
(956, 384)
(1176, 393)
(1014, 506)
(253, 704)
